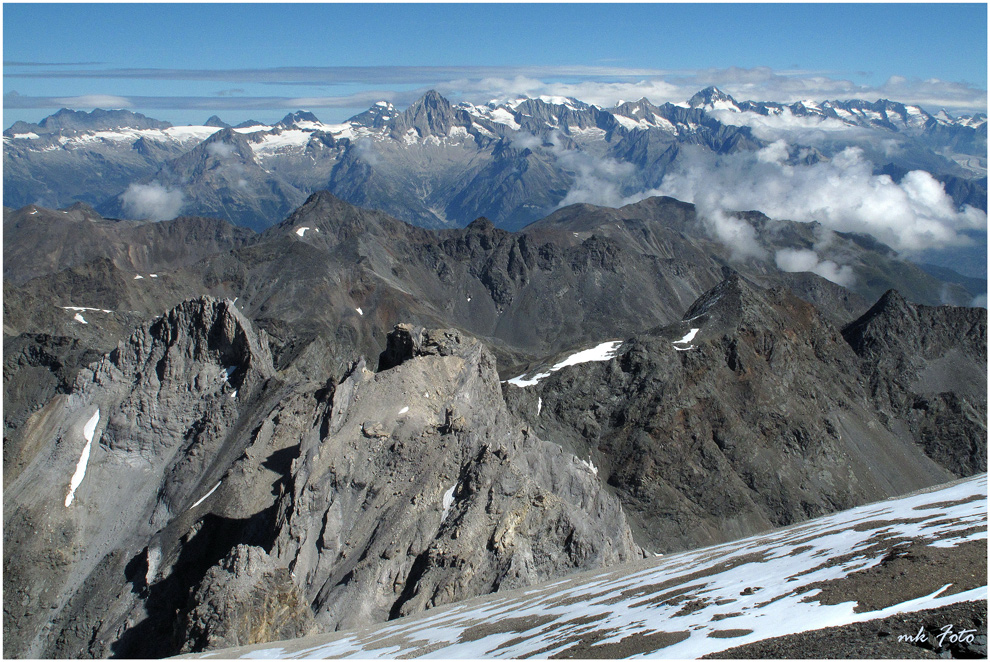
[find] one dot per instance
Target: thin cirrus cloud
(350, 74)
(602, 85)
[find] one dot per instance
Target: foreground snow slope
(689, 604)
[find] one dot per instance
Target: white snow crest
(448, 501)
(77, 478)
(205, 496)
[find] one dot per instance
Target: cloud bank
(842, 194)
(794, 259)
(152, 201)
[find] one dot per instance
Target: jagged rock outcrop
(419, 489)
(927, 367)
(750, 413)
(246, 598)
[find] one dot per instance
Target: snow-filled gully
(77, 477)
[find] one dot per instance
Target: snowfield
(683, 605)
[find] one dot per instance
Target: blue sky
(184, 62)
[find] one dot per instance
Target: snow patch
(79, 318)
(602, 352)
(403, 410)
(83, 308)
(359, 311)
(503, 116)
(154, 558)
(448, 501)
(688, 337)
(206, 495)
(77, 478)
(301, 231)
(589, 465)
(138, 277)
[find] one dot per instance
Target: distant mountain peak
(298, 116)
(711, 97)
(217, 122)
(97, 119)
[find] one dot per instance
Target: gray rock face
(138, 437)
(246, 598)
(184, 496)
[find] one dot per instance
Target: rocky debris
(927, 366)
(749, 413)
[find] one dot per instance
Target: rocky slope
(751, 412)
(331, 281)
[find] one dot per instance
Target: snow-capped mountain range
(439, 164)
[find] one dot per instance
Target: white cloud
(152, 201)
(597, 181)
(735, 233)
(96, 101)
(841, 193)
(807, 130)
(220, 150)
(799, 259)
(365, 150)
(523, 140)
